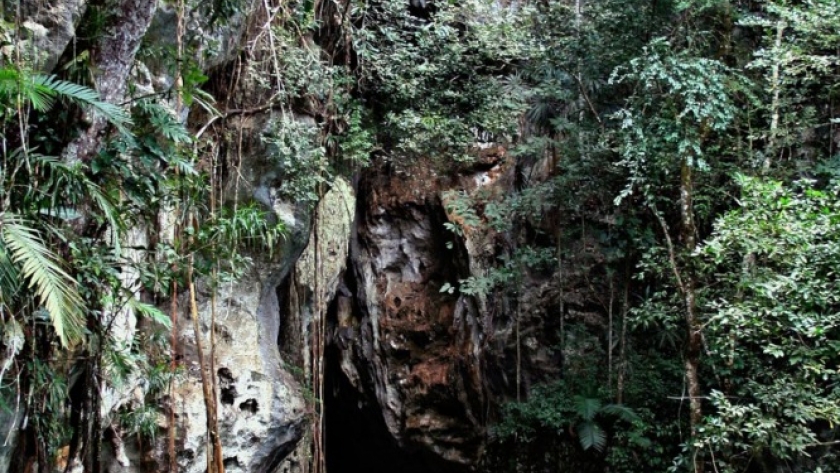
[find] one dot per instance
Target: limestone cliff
(345, 334)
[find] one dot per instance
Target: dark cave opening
(357, 438)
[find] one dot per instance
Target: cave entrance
(356, 436)
(357, 439)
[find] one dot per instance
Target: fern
(40, 266)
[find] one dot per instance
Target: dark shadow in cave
(356, 436)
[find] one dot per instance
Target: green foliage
(436, 85)
(296, 149)
(797, 60)
(774, 326)
(141, 421)
(20, 88)
(554, 408)
(591, 434)
(49, 389)
(24, 247)
(357, 142)
(680, 102)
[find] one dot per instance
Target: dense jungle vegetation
(691, 145)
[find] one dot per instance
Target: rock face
(417, 373)
(414, 355)
(261, 411)
(411, 374)
(307, 294)
(260, 408)
(49, 26)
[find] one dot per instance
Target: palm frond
(40, 91)
(621, 412)
(591, 436)
(52, 86)
(587, 407)
(16, 87)
(40, 266)
(150, 311)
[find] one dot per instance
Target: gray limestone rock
(49, 26)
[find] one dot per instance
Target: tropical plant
(20, 88)
(554, 408)
(28, 264)
(773, 332)
(589, 431)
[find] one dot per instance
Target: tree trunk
(113, 57)
(173, 366)
(694, 340)
(216, 464)
(610, 337)
(775, 106)
(622, 347)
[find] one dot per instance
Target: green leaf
(41, 268)
(50, 86)
(150, 311)
(591, 436)
(620, 411)
(40, 91)
(587, 407)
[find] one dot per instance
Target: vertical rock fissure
(400, 354)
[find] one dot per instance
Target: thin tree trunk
(213, 296)
(622, 349)
(318, 459)
(694, 340)
(173, 366)
(216, 465)
(518, 347)
(562, 295)
(610, 336)
(775, 106)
